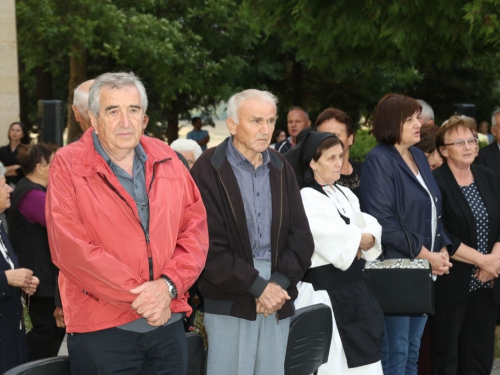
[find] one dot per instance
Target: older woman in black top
(12, 280)
(466, 300)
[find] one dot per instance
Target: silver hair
(427, 112)
(3, 170)
(495, 113)
(234, 102)
(181, 145)
(115, 81)
(81, 101)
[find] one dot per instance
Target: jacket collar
(220, 156)
(86, 160)
(420, 162)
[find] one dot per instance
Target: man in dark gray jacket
(260, 242)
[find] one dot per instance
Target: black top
(8, 158)
(352, 180)
(458, 220)
(31, 242)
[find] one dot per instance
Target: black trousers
(463, 337)
(112, 351)
(45, 339)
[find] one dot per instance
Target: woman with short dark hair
(338, 122)
(13, 280)
(398, 189)
(18, 134)
(466, 300)
(28, 233)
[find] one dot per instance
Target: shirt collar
(240, 159)
(139, 151)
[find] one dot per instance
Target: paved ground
(496, 367)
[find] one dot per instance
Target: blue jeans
(401, 344)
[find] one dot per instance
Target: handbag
(401, 286)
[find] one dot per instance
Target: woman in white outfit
(343, 236)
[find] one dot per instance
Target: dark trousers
(44, 340)
(112, 351)
(463, 336)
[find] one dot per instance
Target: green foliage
(363, 144)
(190, 54)
(352, 53)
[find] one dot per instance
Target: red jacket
(98, 243)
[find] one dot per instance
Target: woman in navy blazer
(466, 301)
(13, 350)
(398, 189)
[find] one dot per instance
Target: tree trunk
(43, 84)
(77, 75)
(173, 126)
(298, 84)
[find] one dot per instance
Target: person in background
(427, 114)
(338, 122)
(13, 280)
(28, 234)
(80, 105)
(297, 120)
(260, 244)
(342, 236)
(279, 135)
(467, 299)
(428, 145)
(18, 134)
(489, 156)
(197, 134)
(189, 149)
(399, 190)
(483, 129)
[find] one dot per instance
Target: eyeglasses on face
(460, 143)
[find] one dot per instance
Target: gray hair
(3, 170)
(427, 113)
(234, 102)
(81, 100)
(115, 81)
(297, 108)
(495, 113)
(182, 145)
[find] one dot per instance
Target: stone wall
(9, 76)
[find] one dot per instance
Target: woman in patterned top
(466, 300)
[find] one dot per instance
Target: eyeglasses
(460, 143)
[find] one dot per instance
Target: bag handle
(407, 235)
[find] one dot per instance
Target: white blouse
(336, 242)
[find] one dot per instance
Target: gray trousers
(242, 347)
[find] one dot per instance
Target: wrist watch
(172, 289)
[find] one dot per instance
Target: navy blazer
(393, 195)
(12, 339)
(458, 219)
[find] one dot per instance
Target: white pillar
(9, 73)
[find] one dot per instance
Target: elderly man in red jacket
(127, 229)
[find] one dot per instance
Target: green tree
(351, 53)
(186, 52)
